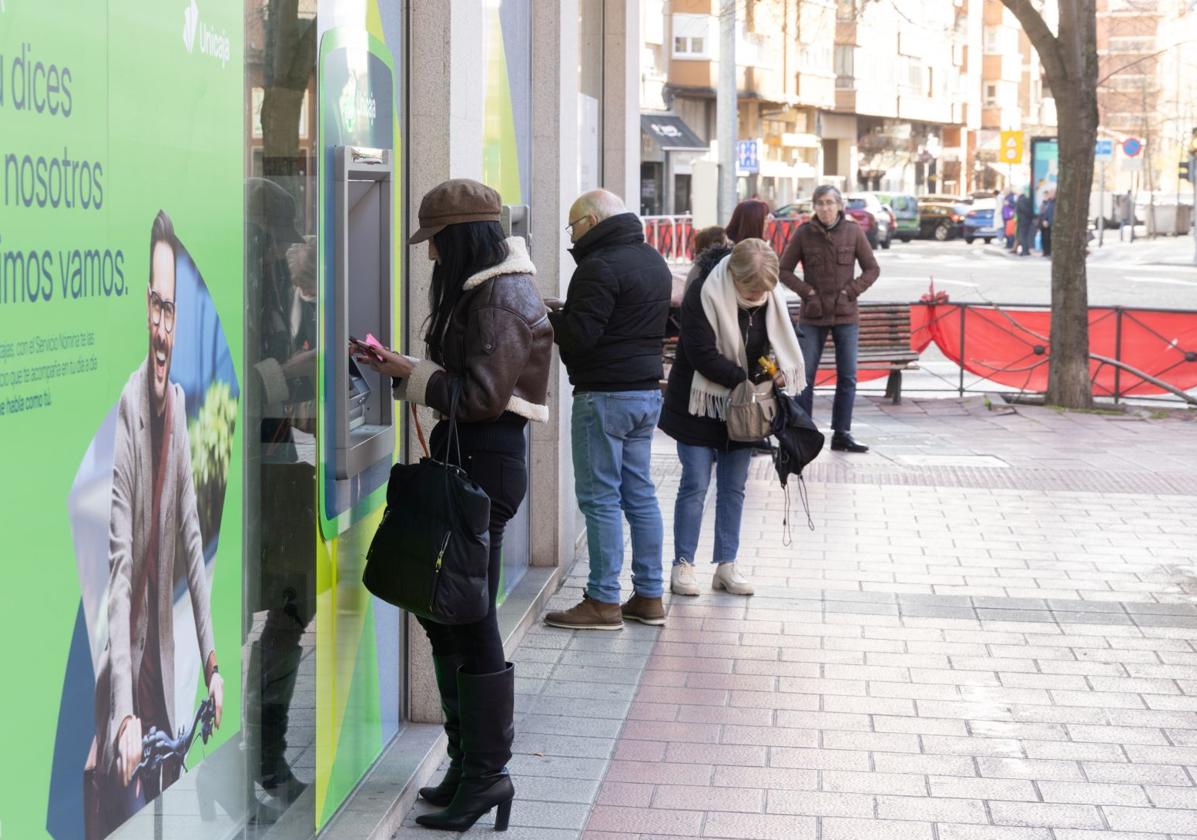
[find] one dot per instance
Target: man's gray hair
(601, 204)
(824, 190)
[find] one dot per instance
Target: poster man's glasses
(162, 312)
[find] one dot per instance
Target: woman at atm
(488, 335)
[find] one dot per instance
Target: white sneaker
(681, 579)
(728, 578)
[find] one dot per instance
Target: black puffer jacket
(612, 326)
(696, 350)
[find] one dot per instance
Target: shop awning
(670, 132)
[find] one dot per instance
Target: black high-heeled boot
(487, 704)
(445, 668)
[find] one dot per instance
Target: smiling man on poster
(153, 517)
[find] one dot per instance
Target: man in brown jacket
(829, 246)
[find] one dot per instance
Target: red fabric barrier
(1011, 346)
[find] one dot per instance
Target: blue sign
(1132, 146)
(746, 156)
(1103, 150)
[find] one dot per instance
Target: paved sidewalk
(990, 635)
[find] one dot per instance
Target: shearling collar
(517, 262)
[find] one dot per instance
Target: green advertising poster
(121, 266)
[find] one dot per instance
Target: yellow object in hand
(767, 365)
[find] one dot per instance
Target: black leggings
(493, 455)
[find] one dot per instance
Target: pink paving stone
(747, 756)
(640, 750)
(688, 696)
(725, 714)
(652, 711)
(689, 664)
(745, 682)
(769, 736)
(655, 730)
(759, 827)
(664, 678)
(700, 798)
(773, 778)
(626, 794)
(659, 773)
(632, 821)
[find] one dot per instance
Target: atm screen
(359, 395)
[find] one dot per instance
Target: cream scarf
(718, 295)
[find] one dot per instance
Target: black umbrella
(799, 442)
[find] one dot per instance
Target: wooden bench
(884, 343)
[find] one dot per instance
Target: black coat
(612, 327)
(696, 350)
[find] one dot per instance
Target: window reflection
(280, 349)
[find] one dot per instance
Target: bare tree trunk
(1070, 65)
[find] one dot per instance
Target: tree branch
(1045, 43)
(1139, 60)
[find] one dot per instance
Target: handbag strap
(451, 439)
(415, 418)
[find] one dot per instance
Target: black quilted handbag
(430, 553)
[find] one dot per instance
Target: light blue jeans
(612, 436)
(731, 474)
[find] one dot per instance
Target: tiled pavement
(990, 635)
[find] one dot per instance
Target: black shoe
(487, 704)
(445, 668)
(843, 442)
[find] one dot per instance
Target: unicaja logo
(211, 43)
(190, 25)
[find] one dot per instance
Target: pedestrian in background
(748, 220)
(829, 247)
(1025, 215)
(611, 330)
(1047, 218)
(733, 315)
(1008, 221)
(708, 239)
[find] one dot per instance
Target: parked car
(906, 213)
(941, 221)
(893, 226)
(803, 211)
(979, 222)
(881, 234)
(944, 198)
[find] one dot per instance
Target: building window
(993, 39)
(691, 36)
(991, 95)
(845, 73)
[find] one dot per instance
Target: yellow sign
(1011, 147)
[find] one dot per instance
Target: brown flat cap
(454, 202)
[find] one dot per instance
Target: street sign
(1011, 147)
(1131, 146)
(746, 156)
(1103, 150)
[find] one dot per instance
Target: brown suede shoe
(644, 610)
(588, 615)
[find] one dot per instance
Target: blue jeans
(731, 474)
(612, 436)
(845, 337)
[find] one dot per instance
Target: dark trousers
(1026, 237)
(495, 459)
(845, 337)
(1045, 237)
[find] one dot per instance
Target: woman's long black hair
(462, 250)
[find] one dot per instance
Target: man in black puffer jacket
(610, 331)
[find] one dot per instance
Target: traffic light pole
(1101, 216)
(1193, 181)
